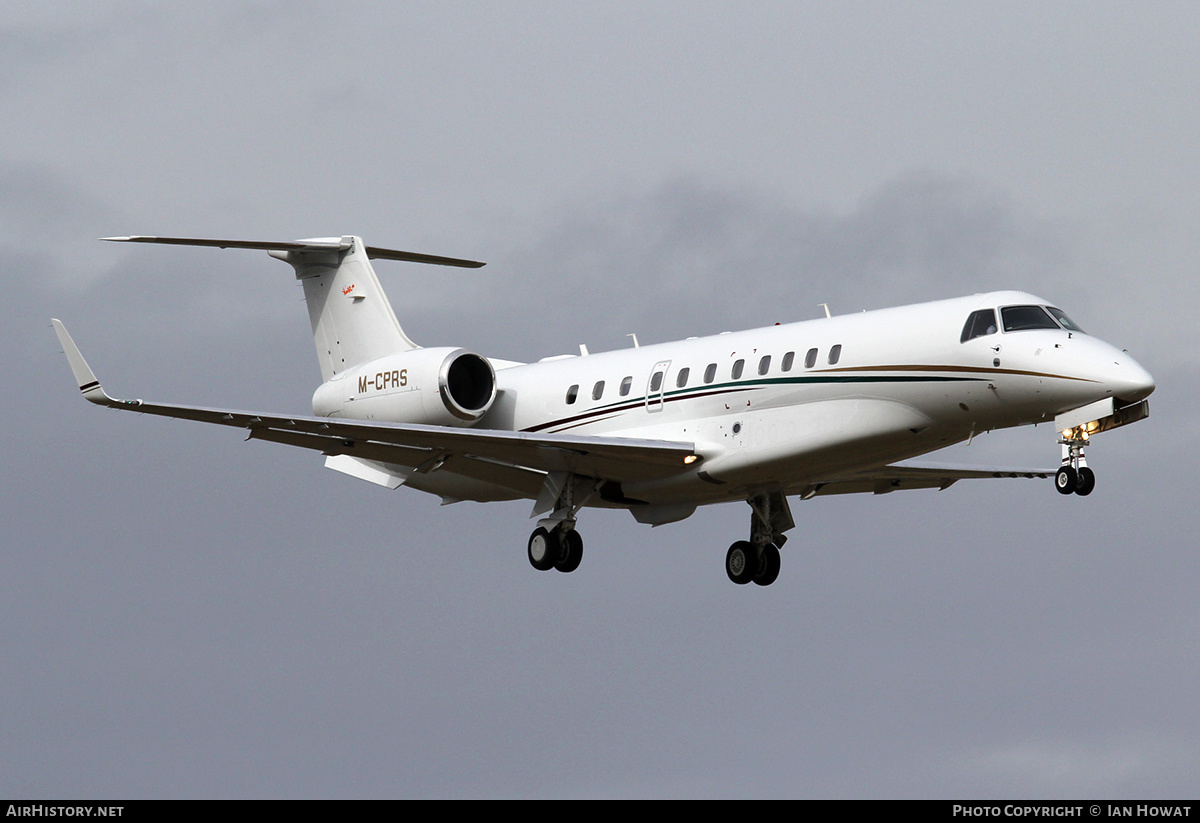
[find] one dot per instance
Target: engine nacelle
(439, 387)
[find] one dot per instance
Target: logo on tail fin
(348, 289)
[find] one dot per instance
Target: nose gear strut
(1074, 475)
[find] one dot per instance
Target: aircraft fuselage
(766, 408)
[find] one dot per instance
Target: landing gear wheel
(1085, 482)
(741, 562)
(1065, 480)
(543, 550)
(572, 551)
(768, 566)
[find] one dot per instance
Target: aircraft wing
(897, 477)
(517, 460)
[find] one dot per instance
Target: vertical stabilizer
(351, 318)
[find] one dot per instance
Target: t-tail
(352, 321)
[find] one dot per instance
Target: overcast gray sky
(188, 615)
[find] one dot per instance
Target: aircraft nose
(1133, 383)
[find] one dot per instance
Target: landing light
(690, 459)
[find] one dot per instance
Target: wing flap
(526, 482)
(901, 477)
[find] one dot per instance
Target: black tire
(741, 562)
(572, 552)
(1086, 482)
(768, 566)
(1065, 480)
(542, 550)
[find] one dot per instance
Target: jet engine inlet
(467, 384)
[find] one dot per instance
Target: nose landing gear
(1074, 476)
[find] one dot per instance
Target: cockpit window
(1023, 318)
(980, 323)
(1064, 321)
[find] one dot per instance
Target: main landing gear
(743, 563)
(559, 548)
(1074, 476)
(555, 544)
(757, 559)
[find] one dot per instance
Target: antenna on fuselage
(826, 307)
(636, 345)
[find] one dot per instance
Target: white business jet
(825, 406)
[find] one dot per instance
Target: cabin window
(626, 385)
(835, 354)
(682, 379)
(1064, 321)
(598, 390)
(737, 369)
(572, 393)
(810, 359)
(788, 359)
(980, 324)
(764, 365)
(1023, 318)
(710, 374)
(656, 381)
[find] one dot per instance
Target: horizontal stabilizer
(315, 244)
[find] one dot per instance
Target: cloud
(1072, 769)
(48, 226)
(689, 257)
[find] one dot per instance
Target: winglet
(84, 377)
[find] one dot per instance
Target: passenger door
(657, 386)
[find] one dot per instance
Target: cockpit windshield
(1017, 318)
(979, 324)
(1064, 321)
(1022, 318)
